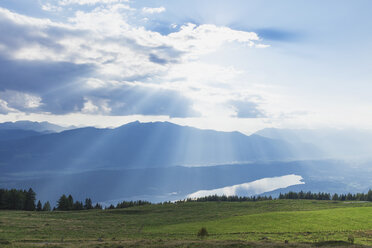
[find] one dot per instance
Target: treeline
(327, 196)
(228, 198)
(128, 204)
(290, 195)
(17, 199)
(14, 199)
(66, 203)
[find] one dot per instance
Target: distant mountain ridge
(41, 127)
(139, 145)
(340, 144)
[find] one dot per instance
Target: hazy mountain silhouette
(340, 144)
(41, 127)
(140, 145)
(9, 134)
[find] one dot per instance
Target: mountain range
(41, 127)
(159, 161)
(140, 145)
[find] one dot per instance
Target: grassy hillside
(268, 223)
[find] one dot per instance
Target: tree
(88, 204)
(98, 206)
(62, 203)
(39, 207)
(70, 203)
(335, 197)
(46, 206)
(369, 195)
(15, 199)
(78, 205)
(30, 200)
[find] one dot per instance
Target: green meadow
(276, 223)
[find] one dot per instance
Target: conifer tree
(98, 206)
(62, 203)
(78, 205)
(88, 204)
(39, 207)
(46, 206)
(30, 200)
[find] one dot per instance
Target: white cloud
(252, 188)
(19, 100)
(206, 38)
(262, 45)
(50, 7)
(96, 107)
(89, 2)
(148, 10)
(39, 23)
(4, 108)
(119, 52)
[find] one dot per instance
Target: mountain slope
(340, 144)
(11, 134)
(159, 144)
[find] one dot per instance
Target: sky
(224, 65)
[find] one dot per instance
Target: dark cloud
(60, 87)
(164, 55)
(130, 100)
(39, 76)
(15, 36)
(276, 34)
(247, 109)
(155, 59)
(63, 101)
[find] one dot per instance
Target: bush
(202, 232)
(350, 239)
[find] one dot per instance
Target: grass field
(302, 223)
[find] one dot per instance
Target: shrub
(202, 233)
(350, 239)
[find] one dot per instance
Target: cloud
(156, 59)
(206, 38)
(96, 62)
(148, 10)
(4, 108)
(247, 109)
(262, 46)
(23, 31)
(20, 101)
(277, 34)
(144, 100)
(51, 7)
(89, 2)
(62, 87)
(39, 76)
